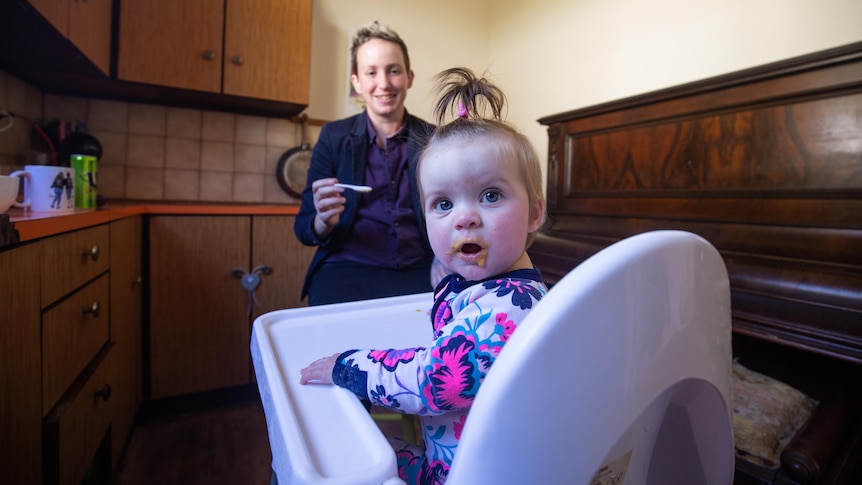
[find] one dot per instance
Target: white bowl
(8, 191)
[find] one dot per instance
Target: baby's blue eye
(443, 205)
(491, 196)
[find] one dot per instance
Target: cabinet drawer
(73, 435)
(72, 259)
(72, 334)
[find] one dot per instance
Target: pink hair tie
(462, 111)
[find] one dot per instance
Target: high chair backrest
(620, 375)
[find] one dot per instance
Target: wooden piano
(766, 164)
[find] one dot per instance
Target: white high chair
(621, 374)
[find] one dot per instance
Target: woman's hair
(373, 30)
(476, 108)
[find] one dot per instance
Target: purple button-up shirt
(386, 231)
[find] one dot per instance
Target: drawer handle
(139, 282)
(93, 253)
(95, 309)
(104, 393)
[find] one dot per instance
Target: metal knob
(95, 309)
(238, 60)
(139, 281)
(104, 393)
(208, 55)
(93, 253)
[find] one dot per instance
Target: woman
(370, 244)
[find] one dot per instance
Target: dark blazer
(341, 151)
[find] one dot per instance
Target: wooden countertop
(35, 225)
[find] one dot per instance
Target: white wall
(551, 56)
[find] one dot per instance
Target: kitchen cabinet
(20, 408)
(126, 330)
(200, 312)
(70, 352)
(76, 381)
(86, 23)
(247, 48)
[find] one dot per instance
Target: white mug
(47, 188)
(8, 192)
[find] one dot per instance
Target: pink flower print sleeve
(471, 321)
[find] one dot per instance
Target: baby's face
(477, 208)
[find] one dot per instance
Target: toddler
(480, 185)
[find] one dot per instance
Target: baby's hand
(320, 370)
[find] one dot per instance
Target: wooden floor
(224, 445)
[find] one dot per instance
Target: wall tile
(273, 155)
(146, 151)
(145, 183)
(248, 187)
(109, 116)
(114, 147)
(216, 186)
(4, 76)
(183, 153)
(219, 126)
(217, 156)
(273, 193)
(65, 107)
(111, 181)
(182, 184)
(249, 159)
(251, 130)
(33, 102)
(281, 133)
(184, 123)
(147, 119)
(158, 152)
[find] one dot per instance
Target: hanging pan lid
(292, 169)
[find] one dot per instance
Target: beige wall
(552, 56)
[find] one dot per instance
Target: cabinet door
(199, 331)
(90, 30)
(172, 43)
(87, 24)
(126, 331)
(268, 49)
(275, 245)
(20, 378)
(56, 12)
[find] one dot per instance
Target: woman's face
(477, 209)
(381, 78)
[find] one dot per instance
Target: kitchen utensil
(292, 169)
(358, 188)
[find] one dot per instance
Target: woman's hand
(328, 203)
(320, 370)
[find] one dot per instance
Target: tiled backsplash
(158, 152)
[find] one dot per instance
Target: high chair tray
(319, 433)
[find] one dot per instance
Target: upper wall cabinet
(247, 48)
(86, 23)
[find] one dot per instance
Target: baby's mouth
(471, 248)
(470, 251)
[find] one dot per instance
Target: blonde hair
(374, 30)
(476, 108)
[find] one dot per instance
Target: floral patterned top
(471, 322)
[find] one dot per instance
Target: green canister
(85, 180)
